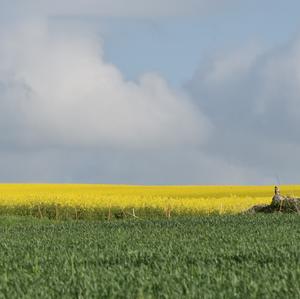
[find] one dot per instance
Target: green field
(197, 257)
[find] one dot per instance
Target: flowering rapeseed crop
(177, 200)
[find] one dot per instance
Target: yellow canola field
(178, 199)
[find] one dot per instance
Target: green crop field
(246, 256)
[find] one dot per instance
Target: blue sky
(150, 92)
(175, 47)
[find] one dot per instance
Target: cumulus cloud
(67, 115)
(56, 89)
(252, 96)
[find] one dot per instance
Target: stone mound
(284, 205)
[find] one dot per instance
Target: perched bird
(277, 198)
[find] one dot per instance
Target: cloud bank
(67, 115)
(56, 90)
(252, 97)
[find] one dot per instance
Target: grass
(229, 256)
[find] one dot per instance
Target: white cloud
(67, 114)
(56, 89)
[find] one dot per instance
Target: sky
(150, 92)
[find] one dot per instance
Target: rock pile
(283, 204)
